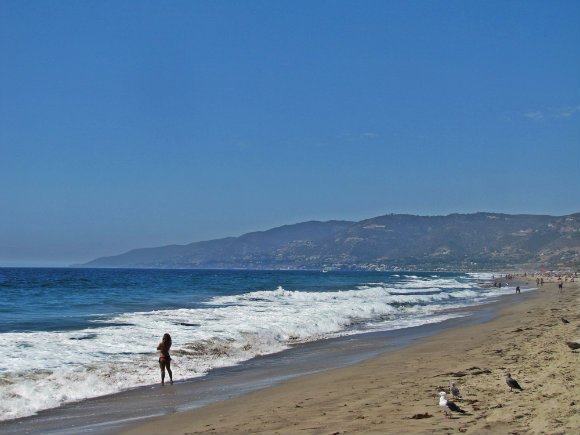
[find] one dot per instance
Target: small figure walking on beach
(518, 289)
(164, 358)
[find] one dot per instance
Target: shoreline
(111, 413)
(382, 394)
(140, 409)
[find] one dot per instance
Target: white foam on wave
(442, 283)
(47, 369)
(487, 276)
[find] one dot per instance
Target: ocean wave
(482, 275)
(48, 369)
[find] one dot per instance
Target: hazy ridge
(456, 241)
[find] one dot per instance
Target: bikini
(164, 355)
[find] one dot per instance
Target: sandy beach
(398, 391)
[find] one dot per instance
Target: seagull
(512, 383)
(455, 391)
(447, 405)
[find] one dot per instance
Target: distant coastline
(394, 242)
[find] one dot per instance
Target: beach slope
(398, 392)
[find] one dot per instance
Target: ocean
(72, 334)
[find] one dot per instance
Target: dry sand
(381, 396)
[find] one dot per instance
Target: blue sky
(128, 124)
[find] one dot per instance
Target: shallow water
(108, 415)
(80, 333)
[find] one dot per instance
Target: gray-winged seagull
(455, 391)
(512, 383)
(448, 406)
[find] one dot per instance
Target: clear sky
(128, 124)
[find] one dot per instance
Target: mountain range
(391, 242)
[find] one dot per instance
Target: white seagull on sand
(448, 406)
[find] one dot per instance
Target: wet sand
(384, 394)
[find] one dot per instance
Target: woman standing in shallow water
(164, 358)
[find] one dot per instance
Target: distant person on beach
(518, 289)
(164, 358)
